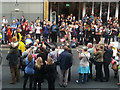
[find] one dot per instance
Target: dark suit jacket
(65, 60)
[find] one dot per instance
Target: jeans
(26, 79)
(81, 76)
(3, 35)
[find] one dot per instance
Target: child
(18, 35)
(9, 34)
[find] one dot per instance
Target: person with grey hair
(65, 61)
(91, 51)
(84, 65)
(53, 54)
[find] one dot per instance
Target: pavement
(5, 76)
(91, 84)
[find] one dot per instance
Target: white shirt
(38, 30)
(4, 21)
(84, 60)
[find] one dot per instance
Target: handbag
(115, 67)
(87, 58)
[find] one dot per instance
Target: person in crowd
(26, 25)
(46, 29)
(38, 31)
(39, 74)
(53, 54)
(28, 40)
(87, 34)
(69, 75)
(114, 31)
(4, 21)
(29, 71)
(98, 52)
(22, 45)
(80, 35)
(91, 59)
(9, 34)
(4, 31)
(32, 30)
(74, 33)
(65, 61)
(13, 27)
(45, 51)
(13, 58)
(118, 33)
(92, 17)
(22, 20)
(107, 58)
(37, 20)
(54, 30)
(17, 22)
(98, 34)
(93, 30)
(42, 54)
(51, 73)
(23, 58)
(117, 58)
(18, 35)
(85, 18)
(84, 65)
(62, 30)
(107, 35)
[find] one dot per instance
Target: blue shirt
(30, 65)
(46, 30)
(53, 30)
(14, 25)
(18, 23)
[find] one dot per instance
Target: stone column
(84, 10)
(50, 11)
(117, 10)
(100, 10)
(92, 7)
(108, 14)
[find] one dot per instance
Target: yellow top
(19, 36)
(21, 46)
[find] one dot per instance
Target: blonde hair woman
(40, 73)
(39, 62)
(51, 73)
(29, 71)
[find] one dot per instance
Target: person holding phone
(84, 65)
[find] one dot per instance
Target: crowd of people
(89, 29)
(30, 50)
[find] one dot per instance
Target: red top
(9, 31)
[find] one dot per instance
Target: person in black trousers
(98, 52)
(51, 73)
(54, 30)
(39, 74)
(107, 57)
